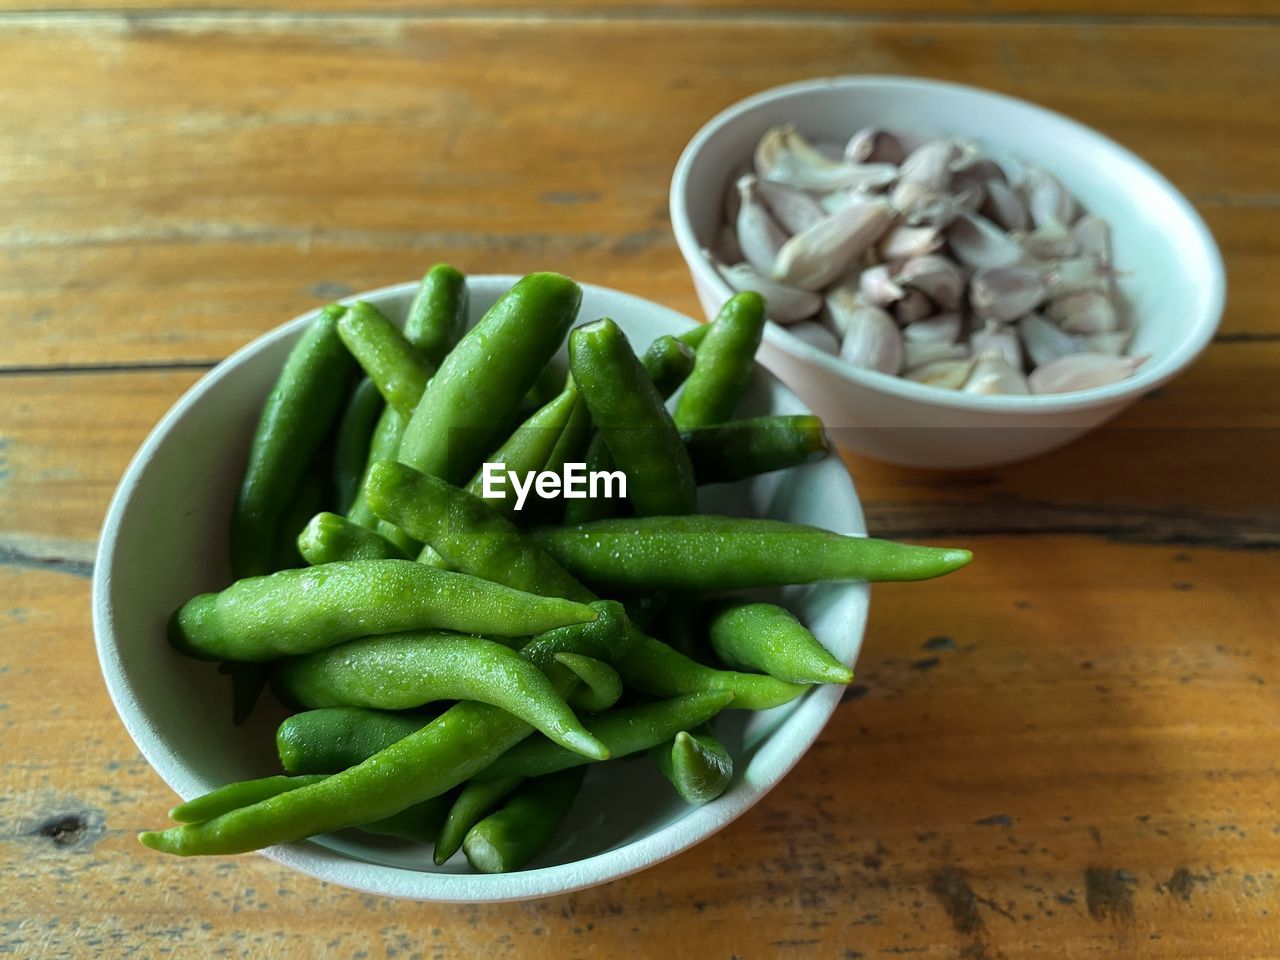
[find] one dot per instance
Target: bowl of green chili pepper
(483, 589)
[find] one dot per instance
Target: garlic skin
(877, 288)
(759, 236)
(993, 375)
(1006, 293)
(816, 335)
(938, 278)
(784, 304)
(1082, 371)
(816, 256)
(786, 157)
(794, 209)
(873, 341)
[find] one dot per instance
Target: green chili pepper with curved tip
(654, 668)
(768, 638)
(233, 796)
(332, 739)
(512, 836)
(296, 419)
(476, 801)
(738, 449)
(383, 446)
(629, 413)
(301, 611)
(329, 538)
(528, 449)
(730, 553)
(396, 367)
(248, 680)
(448, 751)
(461, 414)
(351, 442)
(549, 384)
(465, 531)
(725, 360)
(406, 670)
(420, 823)
(624, 731)
(667, 362)
(697, 764)
(693, 337)
(438, 313)
(601, 686)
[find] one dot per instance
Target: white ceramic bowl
(1172, 272)
(164, 540)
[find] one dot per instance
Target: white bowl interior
(1171, 271)
(164, 540)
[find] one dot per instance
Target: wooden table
(1069, 749)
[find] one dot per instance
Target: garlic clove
(1082, 371)
(727, 249)
(916, 355)
(786, 157)
(1044, 341)
(1006, 293)
(1093, 238)
(922, 193)
(946, 374)
(873, 145)
(838, 308)
(902, 242)
(783, 304)
(1076, 276)
(1050, 242)
(1087, 311)
(759, 236)
(972, 166)
(977, 243)
(993, 375)
(1113, 344)
(1004, 207)
(816, 335)
(913, 307)
(937, 277)
(816, 256)
(873, 341)
(876, 286)
(793, 209)
(1048, 201)
(943, 328)
(998, 338)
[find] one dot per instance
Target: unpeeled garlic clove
(932, 339)
(913, 308)
(816, 335)
(1087, 311)
(971, 165)
(977, 243)
(916, 355)
(999, 338)
(838, 308)
(903, 242)
(784, 156)
(1050, 242)
(924, 181)
(946, 374)
(1045, 341)
(794, 209)
(1006, 293)
(1004, 207)
(877, 287)
(1076, 276)
(1093, 238)
(1082, 371)
(783, 304)
(873, 145)
(873, 341)
(1048, 201)
(816, 256)
(759, 235)
(1113, 344)
(938, 278)
(993, 375)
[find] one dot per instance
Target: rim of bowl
(811, 713)
(1145, 379)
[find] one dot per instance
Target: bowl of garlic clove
(955, 278)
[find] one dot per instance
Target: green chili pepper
(655, 668)
(726, 357)
(329, 538)
(693, 337)
(300, 611)
(247, 683)
(528, 449)
(297, 417)
(403, 542)
(624, 731)
(384, 446)
(602, 687)
(765, 637)
(476, 801)
(420, 823)
(728, 553)
(697, 764)
(236, 795)
(549, 384)
(744, 448)
(438, 313)
(512, 836)
(449, 750)
(406, 670)
(465, 532)
(332, 739)
(306, 501)
(460, 416)
(351, 444)
(396, 367)
(629, 413)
